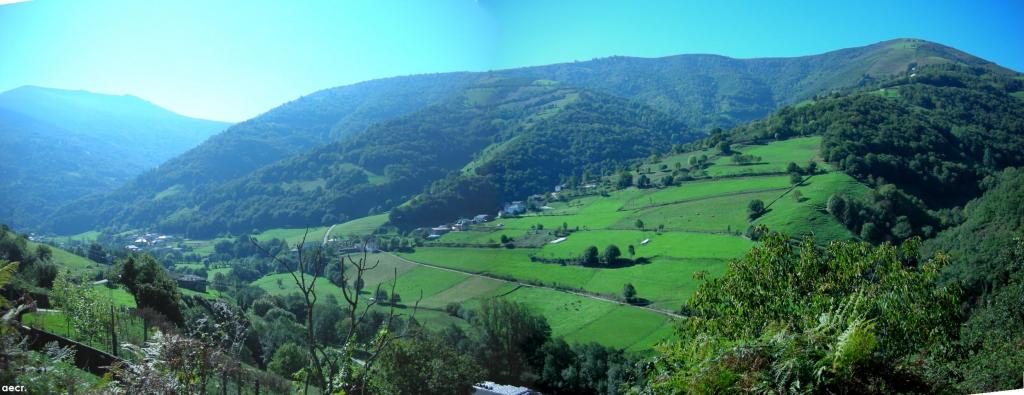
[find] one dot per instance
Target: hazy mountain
(699, 91)
(60, 145)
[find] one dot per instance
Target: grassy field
(727, 214)
(667, 244)
(577, 318)
(707, 189)
(85, 237)
(774, 157)
(74, 263)
(357, 227)
(807, 214)
(694, 230)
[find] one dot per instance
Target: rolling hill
(697, 91)
(60, 145)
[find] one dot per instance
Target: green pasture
(807, 215)
(707, 188)
(667, 244)
(357, 227)
(774, 157)
(726, 214)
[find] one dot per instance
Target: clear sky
(231, 60)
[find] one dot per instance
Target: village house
(479, 219)
(461, 224)
(190, 281)
(492, 388)
(515, 208)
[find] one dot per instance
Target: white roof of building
(492, 388)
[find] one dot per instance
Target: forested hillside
(700, 91)
(57, 146)
(538, 132)
(927, 140)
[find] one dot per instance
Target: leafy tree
(643, 182)
(795, 178)
(625, 180)
(611, 254)
(149, 283)
(381, 295)
(836, 206)
(629, 292)
(792, 168)
(639, 224)
(848, 317)
(86, 311)
(425, 364)
(96, 253)
(590, 256)
(287, 360)
(510, 336)
(632, 250)
(755, 209)
(724, 148)
(44, 252)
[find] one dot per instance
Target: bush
(288, 359)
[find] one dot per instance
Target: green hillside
(59, 146)
(744, 89)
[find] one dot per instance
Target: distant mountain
(58, 145)
(697, 91)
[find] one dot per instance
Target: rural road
(522, 284)
(328, 234)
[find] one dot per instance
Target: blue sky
(229, 60)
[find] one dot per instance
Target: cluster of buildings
(460, 225)
(148, 240)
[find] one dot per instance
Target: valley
(819, 215)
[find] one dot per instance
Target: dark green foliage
(149, 283)
(929, 139)
(991, 339)
(976, 245)
(629, 292)
(724, 148)
(625, 180)
(643, 182)
(288, 359)
(850, 318)
(35, 266)
(582, 369)
(611, 254)
(590, 256)
(510, 337)
(755, 209)
(887, 213)
(425, 364)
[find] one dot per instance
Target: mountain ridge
(719, 92)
